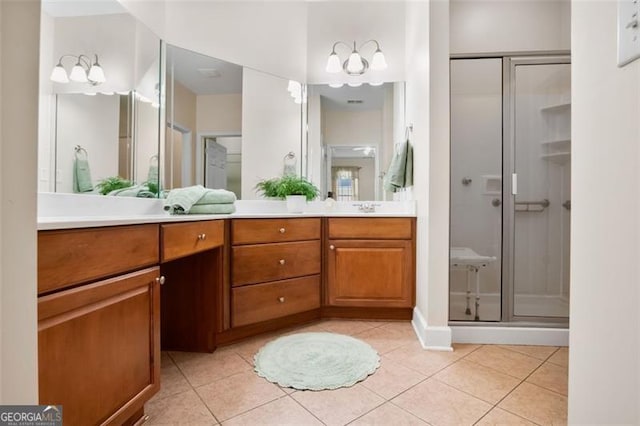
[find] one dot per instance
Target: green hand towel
(81, 175)
(212, 209)
(400, 173)
(140, 191)
(181, 200)
(217, 196)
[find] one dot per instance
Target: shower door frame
(509, 64)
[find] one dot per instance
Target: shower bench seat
(464, 258)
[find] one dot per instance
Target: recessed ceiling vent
(355, 101)
(209, 72)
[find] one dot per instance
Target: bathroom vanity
(111, 296)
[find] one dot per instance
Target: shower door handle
(514, 184)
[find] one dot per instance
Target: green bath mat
(316, 361)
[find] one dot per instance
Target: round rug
(316, 361)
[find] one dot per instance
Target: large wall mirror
(352, 132)
(228, 126)
(100, 100)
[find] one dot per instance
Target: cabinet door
(99, 348)
(370, 273)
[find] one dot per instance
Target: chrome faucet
(366, 207)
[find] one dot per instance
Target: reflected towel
(400, 173)
(212, 209)
(81, 175)
(140, 191)
(181, 200)
(217, 196)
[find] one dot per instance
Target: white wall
(91, 122)
(236, 32)
(46, 112)
(19, 20)
(270, 129)
(331, 21)
(427, 70)
(604, 366)
(482, 26)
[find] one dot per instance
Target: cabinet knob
(202, 237)
(282, 230)
(282, 262)
(281, 299)
(161, 279)
(332, 247)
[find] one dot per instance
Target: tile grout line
(305, 408)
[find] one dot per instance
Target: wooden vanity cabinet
(99, 341)
(275, 268)
(370, 264)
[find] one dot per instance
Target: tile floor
(474, 384)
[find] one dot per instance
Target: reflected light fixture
(84, 71)
(356, 64)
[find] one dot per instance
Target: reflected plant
(112, 183)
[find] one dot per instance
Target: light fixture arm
(367, 42)
(83, 60)
(333, 49)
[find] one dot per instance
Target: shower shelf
(557, 143)
(557, 107)
(557, 157)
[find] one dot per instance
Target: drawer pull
(282, 262)
(332, 247)
(161, 279)
(202, 237)
(282, 230)
(281, 299)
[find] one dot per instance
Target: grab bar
(526, 206)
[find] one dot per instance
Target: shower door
(536, 215)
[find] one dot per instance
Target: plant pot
(296, 203)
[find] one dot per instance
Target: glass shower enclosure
(510, 189)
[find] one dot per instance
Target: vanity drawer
(255, 231)
(261, 302)
(270, 262)
(377, 228)
(70, 257)
(184, 239)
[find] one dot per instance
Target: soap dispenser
(329, 202)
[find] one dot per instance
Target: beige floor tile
(182, 409)
(440, 404)
(348, 327)
(536, 404)
(248, 348)
(171, 382)
(316, 327)
(539, 352)
(340, 406)
(426, 362)
(282, 411)
(463, 349)
(505, 361)
(203, 368)
(561, 357)
(499, 417)
(165, 360)
(550, 376)
(233, 395)
(403, 327)
(388, 414)
(478, 380)
(385, 340)
(391, 379)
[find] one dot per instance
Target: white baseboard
(432, 338)
(510, 335)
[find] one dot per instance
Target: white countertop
(66, 211)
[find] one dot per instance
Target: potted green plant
(295, 189)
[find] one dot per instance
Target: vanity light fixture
(336, 85)
(355, 64)
(84, 71)
(297, 93)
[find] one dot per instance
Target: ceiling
(372, 97)
(189, 69)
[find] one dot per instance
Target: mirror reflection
(351, 138)
(100, 107)
(228, 126)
